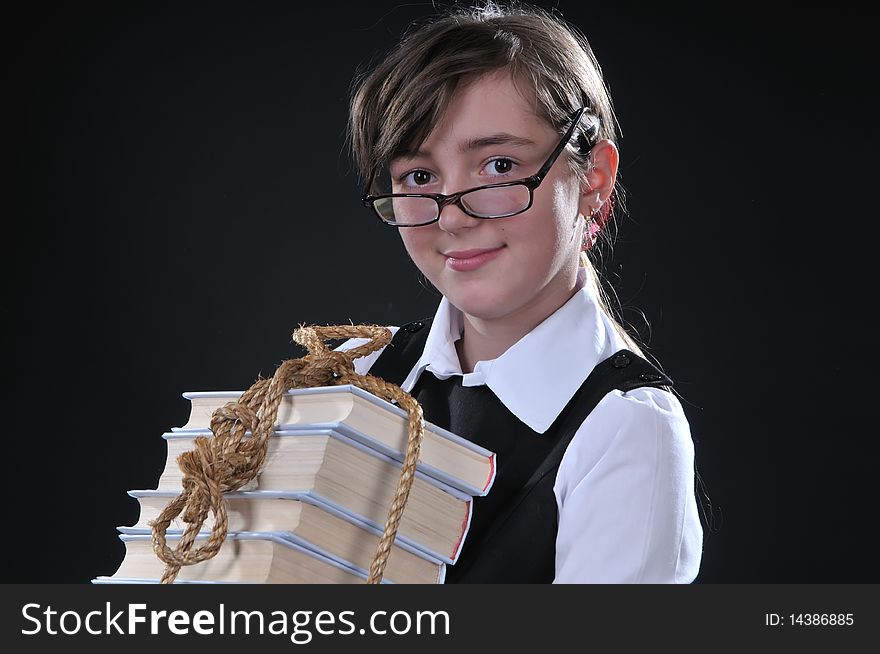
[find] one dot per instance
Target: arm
(625, 492)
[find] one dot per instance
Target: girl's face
(490, 134)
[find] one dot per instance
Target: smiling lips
(466, 260)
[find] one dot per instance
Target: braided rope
(228, 461)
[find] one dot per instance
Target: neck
(484, 339)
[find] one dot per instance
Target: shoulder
(643, 405)
(644, 428)
(363, 364)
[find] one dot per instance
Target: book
(335, 470)
(255, 558)
(370, 420)
(316, 526)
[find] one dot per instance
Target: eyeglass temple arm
(575, 121)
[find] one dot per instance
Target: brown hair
(396, 105)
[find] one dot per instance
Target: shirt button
(620, 361)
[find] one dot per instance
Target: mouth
(467, 260)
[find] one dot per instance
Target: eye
(417, 178)
(500, 166)
(421, 177)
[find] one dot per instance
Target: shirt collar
(538, 375)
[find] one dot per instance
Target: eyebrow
(499, 138)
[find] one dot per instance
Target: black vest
(512, 537)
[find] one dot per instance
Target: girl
(487, 140)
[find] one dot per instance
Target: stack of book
(317, 509)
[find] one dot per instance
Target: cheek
(565, 200)
(418, 243)
(565, 213)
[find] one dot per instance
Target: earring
(591, 231)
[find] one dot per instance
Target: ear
(604, 159)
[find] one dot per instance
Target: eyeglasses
(490, 201)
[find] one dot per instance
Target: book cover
(245, 558)
(300, 518)
(336, 471)
(370, 420)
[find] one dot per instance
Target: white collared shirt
(625, 486)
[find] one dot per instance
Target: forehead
(489, 105)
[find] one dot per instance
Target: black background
(179, 199)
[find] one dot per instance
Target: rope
(228, 461)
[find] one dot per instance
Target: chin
(477, 305)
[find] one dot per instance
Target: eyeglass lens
(481, 203)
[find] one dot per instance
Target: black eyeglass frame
(532, 182)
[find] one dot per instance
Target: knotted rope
(228, 461)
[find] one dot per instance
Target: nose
(453, 218)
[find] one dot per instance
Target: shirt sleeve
(362, 365)
(625, 492)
